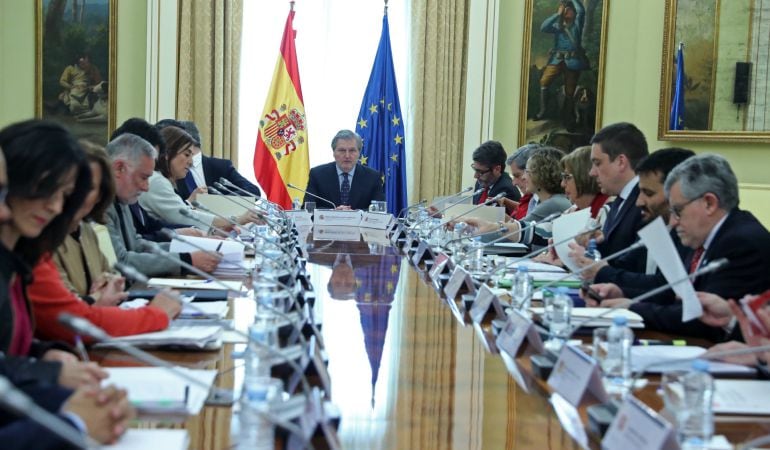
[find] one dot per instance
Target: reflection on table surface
(405, 373)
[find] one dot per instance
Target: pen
(81, 348)
(219, 246)
(675, 342)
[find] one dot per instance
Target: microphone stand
(460, 200)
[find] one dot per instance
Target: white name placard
(439, 263)
(379, 221)
(459, 278)
(419, 254)
(639, 427)
(575, 373)
(300, 217)
(569, 418)
(335, 233)
(337, 217)
(517, 328)
(485, 299)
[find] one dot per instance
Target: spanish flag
(281, 154)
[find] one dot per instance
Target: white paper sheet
(661, 358)
(741, 397)
(565, 226)
(660, 246)
(233, 252)
(185, 336)
(186, 283)
(155, 385)
(142, 439)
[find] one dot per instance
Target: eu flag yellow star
(395, 121)
(373, 108)
(398, 139)
(382, 101)
(394, 157)
(362, 123)
(393, 268)
(364, 159)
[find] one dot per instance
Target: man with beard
(635, 269)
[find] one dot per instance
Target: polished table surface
(406, 374)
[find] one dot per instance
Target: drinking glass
(378, 206)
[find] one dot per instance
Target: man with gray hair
(702, 193)
(344, 183)
(133, 162)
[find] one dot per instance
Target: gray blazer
(126, 241)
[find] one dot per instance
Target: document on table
(210, 310)
(233, 253)
(187, 283)
(665, 358)
(741, 397)
(566, 226)
(580, 314)
(193, 337)
(142, 439)
(157, 390)
(660, 246)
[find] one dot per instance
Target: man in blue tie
(615, 152)
(344, 183)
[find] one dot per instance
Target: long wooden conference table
(405, 373)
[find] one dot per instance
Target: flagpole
(291, 5)
(386, 7)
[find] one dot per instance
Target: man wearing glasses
(344, 183)
(702, 193)
(489, 171)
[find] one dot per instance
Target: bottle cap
(619, 321)
(700, 365)
(564, 290)
(522, 269)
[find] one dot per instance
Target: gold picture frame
(714, 38)
(562, 53)
(75, 65)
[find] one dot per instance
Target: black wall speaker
(742, 78)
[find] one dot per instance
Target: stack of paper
(141, 439)
(232, 253)
(741, 397)
(192, 337)
(665, 358)
(583, 314)
(205, 310)
(156, 390)
(185, 283)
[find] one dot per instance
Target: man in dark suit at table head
(615, 151)
(489, 171)
(345, 182)
(206, 170)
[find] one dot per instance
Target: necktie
(612, 216)
(484, 195)
(345, 189)
(696, 257)
(189, 181)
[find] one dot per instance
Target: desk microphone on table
(16, 401)
(503, 229)
(220, 189)
(456, 202)
(480, 205)
(312, 195)
(411, 207)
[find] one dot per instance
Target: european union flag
(381, 126)
(676, 121)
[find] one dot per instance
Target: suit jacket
(746, 244)
(628, 271)
(126, 243)
(76, 257)
(503, 185)
(213, 170)
(324, 182)
(622, 233)
(162, 203)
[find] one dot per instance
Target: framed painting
(75, 65)
(562, 71)
(723, 88)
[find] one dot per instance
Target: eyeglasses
(480, 171)
(566, 176)
(676, 210)
(348, 151)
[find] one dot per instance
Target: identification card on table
(485, 299)
(639, 427)
(575, 373)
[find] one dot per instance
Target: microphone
(270, 204)
(637, 244)
(229, 219)
(16, 401)
(220, 231)
(480, 205)
(84, 327)
(540, 250)
(312, 195)
(133, 274)
(220, 190)
(410, 207)
(503, 229)
(460, 200)
(708, 268)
